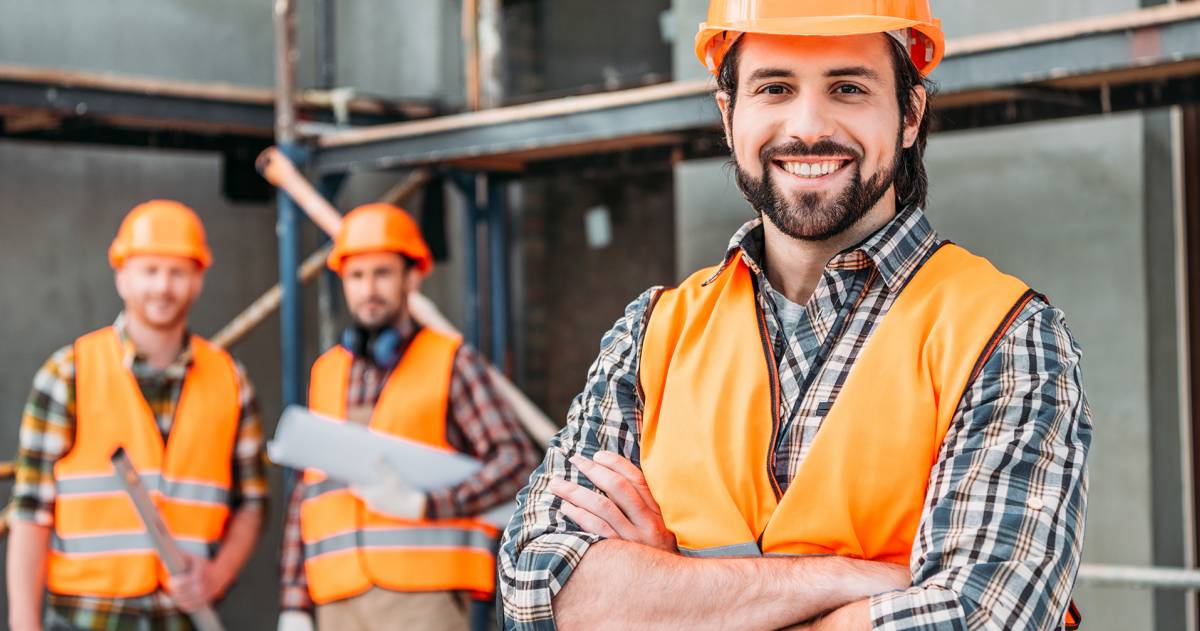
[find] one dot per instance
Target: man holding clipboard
(390, 555)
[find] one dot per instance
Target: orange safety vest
(711, 414)
(349, 548)
(100, 546)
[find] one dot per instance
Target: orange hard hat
(164, 227)
(910, 19)
(379, 228)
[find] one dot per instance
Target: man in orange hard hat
(187, 417)
(848, 423)
(389, 556)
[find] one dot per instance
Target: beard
(374, 320)
(160, 313)
(812, 216)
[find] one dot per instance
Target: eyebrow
(854, 71)
(771, 73)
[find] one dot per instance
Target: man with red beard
(186, 415)
(848, 423)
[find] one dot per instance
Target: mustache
(799, 147)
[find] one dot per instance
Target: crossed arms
(998, 545)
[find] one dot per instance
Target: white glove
(293, 620)
(391, 495)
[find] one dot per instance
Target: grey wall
(1064, 206)
(397, 48)
(60, 205)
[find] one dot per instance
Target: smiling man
(849, 423)
(186, 415)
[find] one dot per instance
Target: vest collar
(896, 250)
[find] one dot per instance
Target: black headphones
(380, 346)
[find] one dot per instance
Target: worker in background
(389, 556)
(845, 388)
(186, 415)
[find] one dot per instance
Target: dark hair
(912, 183)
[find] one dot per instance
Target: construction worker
(388, 556)
(845, 388)
(187, 417)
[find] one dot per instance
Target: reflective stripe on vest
(99, 545)
(348, 548)
(711, 402)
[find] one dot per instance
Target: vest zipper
(773, 371)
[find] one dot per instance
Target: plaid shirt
(1002, 529)
(47, 434)
(479, 423)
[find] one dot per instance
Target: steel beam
(1140, 59)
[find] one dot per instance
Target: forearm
(620, 584)
(853, 617)
(293, 586)
(28, 547)
(240, 538)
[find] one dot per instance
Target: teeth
(810, 169)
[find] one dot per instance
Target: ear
(197, 283)
(726, 122)
(119, 282)
(412, 279)
(912, 124)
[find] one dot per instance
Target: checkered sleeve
(293, 582)
(47, 433)
(481, 423)
(541, 547)
(1002, 531)
(249, 482)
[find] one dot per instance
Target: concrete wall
(60, 205)
(1067, 206)
(407, 48)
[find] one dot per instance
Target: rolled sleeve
(47, 433)
(1002, 533)
(541, 547)
(249, 483)
(480, 422)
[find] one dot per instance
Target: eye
(849, 88)
(773, 89)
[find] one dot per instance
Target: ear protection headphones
(381, 347)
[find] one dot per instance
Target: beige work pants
(379, 610)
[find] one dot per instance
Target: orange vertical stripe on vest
(99, 546)
(349, 548)
(708, 425)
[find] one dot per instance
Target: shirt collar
(896, 250)
(137, 363)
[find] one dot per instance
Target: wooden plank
(543, 109)
(1139, 19)
(1055, 31)
(209, 91)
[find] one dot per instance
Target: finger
(630, 472)
(588, 521)
(596, 504)
(620, 490)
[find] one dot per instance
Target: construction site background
(1084, 210)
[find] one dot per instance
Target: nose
(808, 119)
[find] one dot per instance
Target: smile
(812, 169)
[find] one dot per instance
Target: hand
(197, 587)
(294, 620)
(29, 625)
(391, 495)
(874, 577)
(628, 513)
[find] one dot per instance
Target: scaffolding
(1131, 61)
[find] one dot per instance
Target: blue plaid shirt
(1002, 529)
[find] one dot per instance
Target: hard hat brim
(822, 26)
